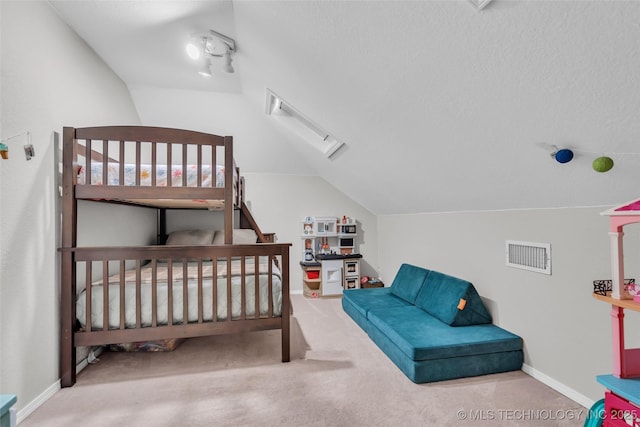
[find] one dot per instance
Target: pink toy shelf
(624, 385)
(620, 216)
(626, 361)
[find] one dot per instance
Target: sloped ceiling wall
(442, 107)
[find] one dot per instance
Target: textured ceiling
(443, 107)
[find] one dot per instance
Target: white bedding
(97, 291)
(130, 173)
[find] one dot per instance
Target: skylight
(297, 122)
(480, 4)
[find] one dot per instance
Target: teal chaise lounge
(433, 326)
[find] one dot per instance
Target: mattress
(177, 292)
(163, 172)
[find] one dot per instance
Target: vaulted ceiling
(442, 106)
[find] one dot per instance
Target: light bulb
(193, 51)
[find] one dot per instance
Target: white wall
(258, 146)
(49, 79)
(278, 203)
(566, 332)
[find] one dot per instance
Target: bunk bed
(178, 288)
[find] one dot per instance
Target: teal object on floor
(434, 327)
(6, 402)
(627, 388)
(595, 416)
(442, 295)
(408, 282)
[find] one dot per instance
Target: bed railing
(94, 265)
(150, 152)
(123, 267)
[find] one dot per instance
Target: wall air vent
(304, 127)
(529, 256)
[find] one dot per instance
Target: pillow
(408, 282)
(451, 300)
(241, 236)
(190, 237)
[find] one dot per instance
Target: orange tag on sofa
(462, 303)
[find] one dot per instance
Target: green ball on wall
(602, 164)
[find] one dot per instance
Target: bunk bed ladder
(247, 221)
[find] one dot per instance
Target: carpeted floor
(337, 377)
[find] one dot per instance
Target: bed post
(228, 190)
(161, 231)
(286, 307)
(68, 273)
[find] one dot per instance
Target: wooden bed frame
(93, 145)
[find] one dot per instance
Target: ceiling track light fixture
(206, 68)
(210, 45)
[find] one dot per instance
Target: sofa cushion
(421, 336)
(422, 371)
(364, 300)
(454, 301)
(408, 282)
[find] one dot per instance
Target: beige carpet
(337, 377)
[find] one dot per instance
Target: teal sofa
(434, 327)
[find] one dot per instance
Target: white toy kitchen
(330, 260)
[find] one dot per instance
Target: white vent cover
(529, 256)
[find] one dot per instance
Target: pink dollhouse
(622, 398)
(620, 216)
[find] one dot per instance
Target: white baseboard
(35, 403)
(295, 292)
(52, 389)
(558, 386)
(93, 355)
